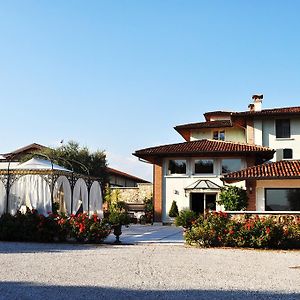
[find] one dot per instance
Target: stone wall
(134, 194)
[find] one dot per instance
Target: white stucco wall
(235, 135)
(201, 134)
(262, 184)
(174, 185)
(258, 132)
(231, 134)
(269, 137)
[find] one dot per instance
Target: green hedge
(219, 230)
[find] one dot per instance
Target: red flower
(248, 226)
(268, 230)
(231, 231)
(81, 228)
(61, 221)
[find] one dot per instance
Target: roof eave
(258, 178)
(185, 133)
(150, 157)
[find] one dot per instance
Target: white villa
(258, 149)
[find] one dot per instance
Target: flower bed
(219, 230)
(34, 227)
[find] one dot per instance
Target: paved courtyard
(154, 270)
(141, 234)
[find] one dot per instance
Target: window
(204, 166)
(282, 199)
(177, 166)
(222, 135)
(215, 135)
(231, 165)
(287, 153)
(283, 128)
(219, 135)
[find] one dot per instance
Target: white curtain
(32, 191)
(96, 199)
(62, 184)
(80, 196)
(2, 198)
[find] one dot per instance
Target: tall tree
(81, 158)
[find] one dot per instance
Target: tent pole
(89, 188)
(7, 190)
(8, 185)
(72, 192)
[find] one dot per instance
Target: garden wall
(134, 194)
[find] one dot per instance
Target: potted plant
(117, 218)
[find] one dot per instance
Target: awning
(202, 185)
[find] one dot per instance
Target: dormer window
(219, 135)
(283, 129)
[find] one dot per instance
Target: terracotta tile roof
(115, 172)
(275, 170)
(208, 147)
(32, 147)
(293, 110)
(208, 124)
(268, 112)
(208, 114)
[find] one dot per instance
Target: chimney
(251, 107)
(257, 100)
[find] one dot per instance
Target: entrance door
(201, 201)
(197, 202)
(210, 201)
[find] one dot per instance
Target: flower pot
(117, 232)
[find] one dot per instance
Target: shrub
(185, 218)
(9, 228)
(173, 210)
(88, 229)
(233, 198)
(98, 229)
(208, 232)
(218, 229)
(148, 210)
(35, 227)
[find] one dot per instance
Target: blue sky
(118, 75)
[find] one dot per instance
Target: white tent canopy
(40, 164)
(11, 165)
(36, 183)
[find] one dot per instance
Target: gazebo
(39, 183)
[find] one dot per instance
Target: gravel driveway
(150, 271)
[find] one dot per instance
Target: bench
(135, 211)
